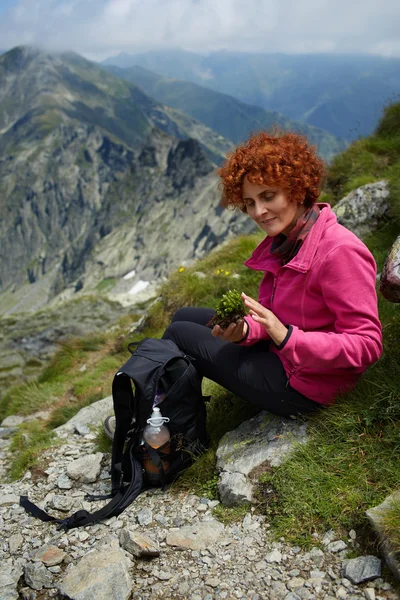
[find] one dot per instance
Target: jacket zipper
(273, 290)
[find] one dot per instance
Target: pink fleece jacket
(326, 293)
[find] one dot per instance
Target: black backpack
(153, 363)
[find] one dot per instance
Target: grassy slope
(351, 460)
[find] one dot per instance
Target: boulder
(100, 574)
(389, 285)
(85, 469)
(361, 569)
(264, 438)
(92, 415)
(364, 209)
(376, 517)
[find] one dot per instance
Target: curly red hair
(280, 159)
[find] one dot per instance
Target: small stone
(15, 542)
(274, 557)
(295, 583)
(62, 503)
(138, 544)
(162, 575)
(352, 534)
(9, 577)
(369, 594)
(336, 546)
(341, 593)
(161, 520)
(64, 482)
(213, 582)
(50, 555)
(86, 469)
(329, 537)
(9, 499)
(196, 537)
(144, 516)
(56, 569)
(37, 576)
(363, 568)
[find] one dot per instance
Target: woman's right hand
(235, 332)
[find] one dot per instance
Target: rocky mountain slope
(226, 115)
(96, 179)
(343, 94)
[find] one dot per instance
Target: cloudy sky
(101, 28)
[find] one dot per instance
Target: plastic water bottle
(156, 434)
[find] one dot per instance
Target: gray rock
(6, 432)
(28, 594)
(50, 555)
(93, 415)
(86, 469)
(64, 482)
(363, 209)
(9, 499)
(144, 516)
(138, 544)
(389, 284)
(196, 537)
(376, 516)
(37, 576)
(82, 429)
(234, 488)
(363, 568)
(263, 438)
(62, 503)
(15, 542)
(15, 420)
(100, 574)
(337, 546)
(274, 557)
(9, 577)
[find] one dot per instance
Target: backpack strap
(124, 497)
(124, 402)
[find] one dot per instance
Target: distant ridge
(229, 117)
(343, 94)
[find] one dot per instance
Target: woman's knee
(181, 314)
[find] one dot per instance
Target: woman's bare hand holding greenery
(273, 326)
(233, 333)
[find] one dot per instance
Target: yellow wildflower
(181, 269)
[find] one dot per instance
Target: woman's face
(270, 207)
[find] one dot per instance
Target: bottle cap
(156, 419)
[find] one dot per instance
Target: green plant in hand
(230, 309)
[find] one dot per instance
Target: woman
(315, 327)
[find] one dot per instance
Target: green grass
(27, 447)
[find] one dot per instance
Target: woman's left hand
(273, 326)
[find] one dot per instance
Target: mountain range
(226, 115)
(98, 180)
(342, 94)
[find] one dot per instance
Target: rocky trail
(165, 545)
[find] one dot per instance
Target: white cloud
(99, 28)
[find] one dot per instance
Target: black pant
(252, 372)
